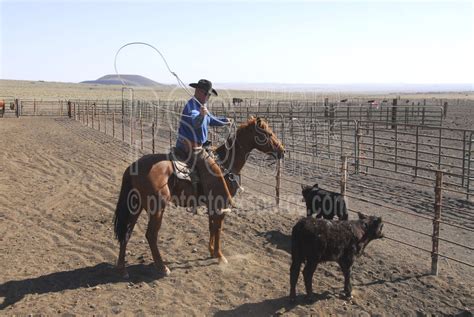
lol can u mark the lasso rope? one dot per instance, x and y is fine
(180, 83)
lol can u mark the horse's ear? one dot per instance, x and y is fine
(361, 215)
(315, 186)
(259, 121)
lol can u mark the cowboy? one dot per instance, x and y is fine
(192, 134)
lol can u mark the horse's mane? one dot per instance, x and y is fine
(253, 121)
(263, 124)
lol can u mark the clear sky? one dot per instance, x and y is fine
(236, 41)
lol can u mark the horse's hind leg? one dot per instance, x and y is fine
(154, 225)
(123, 247)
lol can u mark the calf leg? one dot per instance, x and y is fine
(308, 272)
(346, 270)
(294, 274)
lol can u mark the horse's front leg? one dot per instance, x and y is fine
(218, 223)
(212, 235)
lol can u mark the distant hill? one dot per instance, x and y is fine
(128, 80)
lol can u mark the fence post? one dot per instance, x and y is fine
(87, 114)
(445, 109)
(69, 109)
(123, 125)
(278, 183)
(394, 113)
(357, 147)
(396, 147)
(416, 151)
(343, 176)
(170, 138)
(373, 145)
(141, 133)
(113, 124)
(153, 138)
(105, 123)
(436, 219)
(93, 115)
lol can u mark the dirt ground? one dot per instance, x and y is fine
(59, 182)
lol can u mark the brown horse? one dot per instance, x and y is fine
(150, 183)
(2, 108)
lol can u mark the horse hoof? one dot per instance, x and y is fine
(123, 273)
(165, 271)
(223, 260)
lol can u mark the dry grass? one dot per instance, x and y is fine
(55, 90)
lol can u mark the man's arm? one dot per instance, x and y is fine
(196, 118)
(218, 121)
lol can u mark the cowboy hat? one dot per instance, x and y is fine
(205, 85)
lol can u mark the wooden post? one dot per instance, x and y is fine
(436, 219)
(93, 114)
(113, 124)
(331, 118)
(357, 147)
(423, 112)
(394, 113)
(170, 139)
(141, 133)
(416, 151)
(34, 106)
(98, 120)
(87, 114)
(326, 109)
(343, 175)
(278, 182)
(396, 147)
(373, 145)
(123, 126)
(105, 123)
(132, 121)
(153, 138)
(439, 147)
(69, 109)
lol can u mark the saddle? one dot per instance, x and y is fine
(184, 171)
(181, 168)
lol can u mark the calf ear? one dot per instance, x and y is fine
(361, 215)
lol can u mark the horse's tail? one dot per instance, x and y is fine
(122, 211)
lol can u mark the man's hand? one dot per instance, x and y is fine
(203, 110)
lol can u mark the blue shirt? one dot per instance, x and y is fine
(193, 126)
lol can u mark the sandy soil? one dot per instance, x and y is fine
(59, 183)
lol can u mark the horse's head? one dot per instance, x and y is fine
(261, 137)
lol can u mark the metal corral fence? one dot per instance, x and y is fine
(399, 137)
(431, 234)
